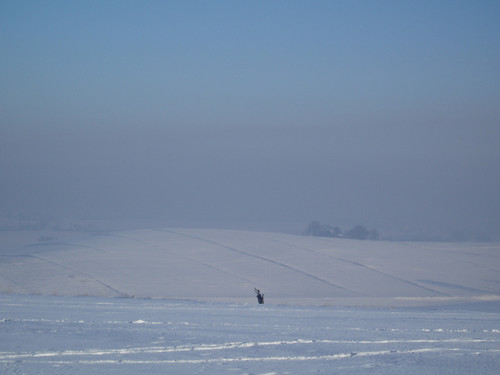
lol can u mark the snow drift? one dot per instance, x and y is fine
(226, 265)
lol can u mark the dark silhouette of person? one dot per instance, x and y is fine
(260, 297)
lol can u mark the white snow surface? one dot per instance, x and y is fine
(226, 265)
(92, 335)
(332, 305)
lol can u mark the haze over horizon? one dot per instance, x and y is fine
(237, 113)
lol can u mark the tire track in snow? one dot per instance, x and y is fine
(457, 257)
(252, 282)
(79, 273)
(5, 356)
(258, 257)
(40, 245)
(331, 357)
(40, 358)
(366, 267)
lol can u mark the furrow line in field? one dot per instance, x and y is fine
(280, 264)
(78, 272)
(367, 267)
(211, 266)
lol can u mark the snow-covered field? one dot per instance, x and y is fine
(89, 335)
(226, 265)
(332, 305)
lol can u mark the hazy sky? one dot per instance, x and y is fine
(384, 113)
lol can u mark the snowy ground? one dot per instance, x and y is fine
(226, 265)
(90, 335)
(332, 305)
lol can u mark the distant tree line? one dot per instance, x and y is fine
(359, 232)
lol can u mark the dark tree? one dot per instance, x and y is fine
(315, 228)
(374, 235)
(359, 232)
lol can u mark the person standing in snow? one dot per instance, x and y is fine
(260, 297)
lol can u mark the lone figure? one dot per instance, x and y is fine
(260, 297)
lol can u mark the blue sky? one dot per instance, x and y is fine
(216, 112)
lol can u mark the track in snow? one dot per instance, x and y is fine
(55, 335)
(265, 259)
